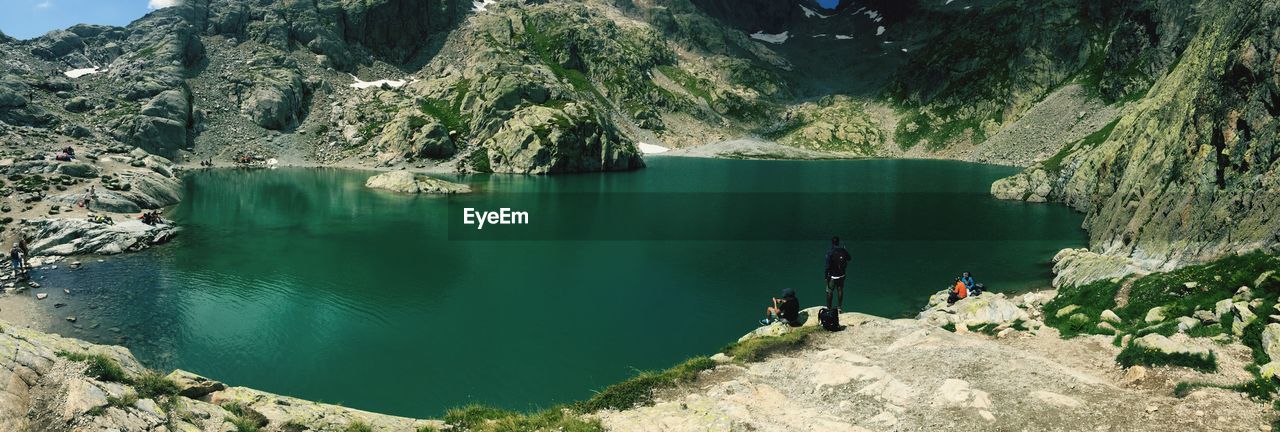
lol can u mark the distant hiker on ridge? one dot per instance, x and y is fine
(836, 262)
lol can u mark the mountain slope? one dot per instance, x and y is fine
(1190, 171)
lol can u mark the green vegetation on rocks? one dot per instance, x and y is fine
(99, 366)
(1219, 299)
(639, 389)
(756, 349)
(1136, 355)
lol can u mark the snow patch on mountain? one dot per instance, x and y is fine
(771, 38)
(482, 5)
(77, 73)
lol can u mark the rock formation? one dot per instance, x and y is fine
(407, 182)
(50, 383)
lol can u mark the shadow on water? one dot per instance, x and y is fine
(303, 282)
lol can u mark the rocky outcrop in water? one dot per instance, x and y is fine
(407, 182)
(82, 237)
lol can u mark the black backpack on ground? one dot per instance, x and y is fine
(838, 261)
(829, 319)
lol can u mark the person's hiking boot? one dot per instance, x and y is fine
(764, 322)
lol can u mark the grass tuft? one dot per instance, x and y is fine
(357, 426)
(638, 391)
(244, 418)
(101, 367)
(152, 385)
(480, 418)
(757, 349)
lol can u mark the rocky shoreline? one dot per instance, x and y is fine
(987, 362)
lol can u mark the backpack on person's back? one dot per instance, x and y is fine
(837, 262)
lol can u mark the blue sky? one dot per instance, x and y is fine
(25, 19)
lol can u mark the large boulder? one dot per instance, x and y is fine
(11, 99)
(1221, 308)
(1155, 315)
(80, 237)
(163, 124)
(155, 134)
(78, 104)
(985, 308)
(169, 104)
(544, 140)
(1158, 342)
(1271, 341)
(1243, 317)
(412, 135)
(56, 44)
(407, 182)
(1111, 317)
(1076, 267)
(276, 99)
(194, 386)
(1033, 185)
(78, 169)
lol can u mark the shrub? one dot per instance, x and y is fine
(1137, 355)
(152, 385)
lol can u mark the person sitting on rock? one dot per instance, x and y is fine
(958, 292)
(785, 309)
(151, 218)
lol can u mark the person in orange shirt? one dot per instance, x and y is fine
(958, 292)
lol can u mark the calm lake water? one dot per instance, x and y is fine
(305, 283)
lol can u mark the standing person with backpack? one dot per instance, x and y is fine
(836, 262)
(17, 259)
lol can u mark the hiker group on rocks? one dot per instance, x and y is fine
(964, 287)
(786, 309)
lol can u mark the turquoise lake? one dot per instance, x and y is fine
(304, 282)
